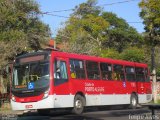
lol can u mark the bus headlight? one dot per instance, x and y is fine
(13, 98)
(46, 93)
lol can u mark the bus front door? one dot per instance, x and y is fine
(61, 86)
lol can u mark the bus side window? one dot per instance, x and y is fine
(106, 70)
(77, 69)
(118, 72)
(130, 73)
(60, 72)
(140, 77)
(147, 75)
(92, 70)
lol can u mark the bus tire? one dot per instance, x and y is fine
(134, 101)
(79, 103)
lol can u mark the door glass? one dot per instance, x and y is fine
(60, 72)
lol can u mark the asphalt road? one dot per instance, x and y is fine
(95, 114)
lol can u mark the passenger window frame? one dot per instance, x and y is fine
(59, 81)
(108, 77)
(94, 77)
(140, 74)
(75, 69)
(127, 73)
(116, 76)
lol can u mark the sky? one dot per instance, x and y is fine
(127, 10)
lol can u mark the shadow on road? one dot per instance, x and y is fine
(60, 117)
(90, 114)
(56, 116)
(120, 113)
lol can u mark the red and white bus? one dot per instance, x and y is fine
(52, 79)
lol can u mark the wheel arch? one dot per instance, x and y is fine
(136, 94)
(82, 94)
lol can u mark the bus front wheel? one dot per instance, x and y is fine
(79, 103)
(134, 101)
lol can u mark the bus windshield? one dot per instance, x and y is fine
(31, 76)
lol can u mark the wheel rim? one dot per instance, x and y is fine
(134, 101)
(78, 104)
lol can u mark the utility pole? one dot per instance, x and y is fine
(154, 79)
(153, 67)
(55, 44)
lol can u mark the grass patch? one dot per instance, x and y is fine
(157, 102)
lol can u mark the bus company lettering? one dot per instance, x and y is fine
(89, 87)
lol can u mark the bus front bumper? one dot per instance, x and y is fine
(42, 104)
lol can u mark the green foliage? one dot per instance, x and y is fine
(20, 28)
(110, 53)
(104, 31)
(133, 54)
(87, 8)
(130, 54)
(120, 34)
(83, 31)
(92, 31)
(90, 24)
(158, 71)
(150, 13)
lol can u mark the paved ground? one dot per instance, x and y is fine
(121, 114)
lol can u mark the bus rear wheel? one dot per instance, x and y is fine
(79, 103)
(134, 101)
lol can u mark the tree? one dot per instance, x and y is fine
(120, 34)
(150, 14)
(83, 31)
(110, 53)
(90, 7)
(104, 30)
(20, 28)
(133, 54)
(84, 27)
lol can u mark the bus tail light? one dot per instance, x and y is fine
(46, 93)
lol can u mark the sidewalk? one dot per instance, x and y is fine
(9, 112)
(5, 109)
